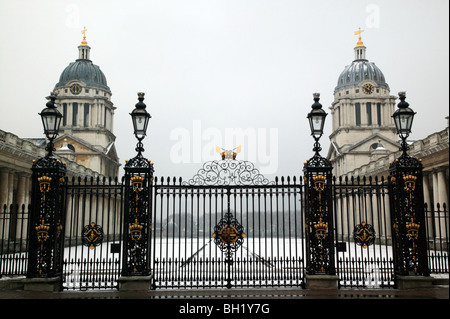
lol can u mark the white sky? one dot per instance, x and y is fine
(239, 64)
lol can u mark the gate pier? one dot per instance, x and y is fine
(320, 254)
(136, 273)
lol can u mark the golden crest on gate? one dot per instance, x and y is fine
(138, 183)
(412, 230)
(42, 232)
(136, 231)
(319, 183)
(321, 230)
(44, 184)
(410, 182)
(229, 235)
(92, 235)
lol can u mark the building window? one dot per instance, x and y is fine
(369, 113)
(86, 90)
(357, 91)
(64, 114)
(379, 113)
(358, 113)
(74, 113)
(86, 115)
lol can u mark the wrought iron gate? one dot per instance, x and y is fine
(227, 227)
(93, 233)
(363, 233)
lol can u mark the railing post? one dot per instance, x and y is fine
(408, 218)
(47, 216)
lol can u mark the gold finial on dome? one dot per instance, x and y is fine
(84, 36)
(359, 43)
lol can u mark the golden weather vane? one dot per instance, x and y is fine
(84, 36)
(359, 43)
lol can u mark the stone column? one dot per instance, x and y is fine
(4, 185)
(442, 188)
(442, 223)
(21, 189)
(11, 187)
(427, 201)
(426, 191)
(435, 189)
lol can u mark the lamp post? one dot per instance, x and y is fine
(140, 119)
(318, 203)
(138, 196)
(316, 122)
(403, 119)
(51, 120)
(47, 215)
(407, 203)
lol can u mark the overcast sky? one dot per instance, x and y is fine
(209, 67)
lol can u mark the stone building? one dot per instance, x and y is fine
(86, 133)
(85, 141)
(364, 140)
(361, 114)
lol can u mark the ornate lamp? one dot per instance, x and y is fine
(316, 121)
(140, 118)
(403, 119)
(316, 117)
(51, 119)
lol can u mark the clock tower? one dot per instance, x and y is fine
(84, 99)
(362, 125)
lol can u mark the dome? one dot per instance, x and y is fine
(83, 70)
(359, 71)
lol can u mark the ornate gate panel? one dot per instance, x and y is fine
(363, 233)
(227, 227)
(92, 234)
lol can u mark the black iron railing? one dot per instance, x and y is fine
(183, 252)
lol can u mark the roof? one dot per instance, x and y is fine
(359, 71)
(83, 70)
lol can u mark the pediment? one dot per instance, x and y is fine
(79, 145)
(366, 144)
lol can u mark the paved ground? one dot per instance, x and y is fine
(437, 292)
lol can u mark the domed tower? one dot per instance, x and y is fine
(362, 125)
(84, 99)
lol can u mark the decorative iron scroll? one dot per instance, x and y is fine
(92, 235)
(228, 172)
(364, 235)
(228, 235)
